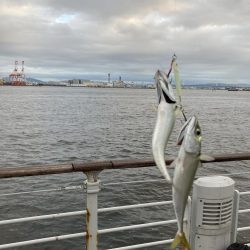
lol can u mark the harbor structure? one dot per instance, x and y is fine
(17, 77)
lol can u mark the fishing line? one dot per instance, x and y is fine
(185, 118)
(174, 66)
(175, 29)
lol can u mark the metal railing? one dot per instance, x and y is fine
(92, 186)
(102, 165)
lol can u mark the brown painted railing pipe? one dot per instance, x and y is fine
(101, 165)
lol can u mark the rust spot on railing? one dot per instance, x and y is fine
(88, 235)
(87, 217)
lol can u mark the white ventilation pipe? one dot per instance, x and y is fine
(212, 213)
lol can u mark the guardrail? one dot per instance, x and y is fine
(102, 165)
(92, 185)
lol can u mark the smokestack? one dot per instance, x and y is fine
(16, 66)
(108, 77)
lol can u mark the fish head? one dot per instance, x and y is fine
(164, 88)
(183, 132)
(192, 137)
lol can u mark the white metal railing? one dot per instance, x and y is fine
(75, 213)
(243, 211)
(42, 240)
(150, 244)
(137, 226)
(78, 187)
(92, 189)
(101, 231)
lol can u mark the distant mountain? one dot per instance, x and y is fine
(28, 79)
(34, 80)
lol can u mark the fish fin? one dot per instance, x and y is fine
(180, 239)
(206, 158)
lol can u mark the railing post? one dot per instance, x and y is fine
(92, 188)
(235, 216)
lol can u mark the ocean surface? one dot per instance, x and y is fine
(54, 125)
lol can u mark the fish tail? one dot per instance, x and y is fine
(168, 178)
(180, 239)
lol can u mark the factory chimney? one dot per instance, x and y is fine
(16, 66)
(108, 77)
(23, 75)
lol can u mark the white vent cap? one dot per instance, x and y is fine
(214, 187)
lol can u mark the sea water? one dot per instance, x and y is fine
(57, 125)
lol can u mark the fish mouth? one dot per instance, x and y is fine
(189, 126)
(164, 87)
(183, 131)
(193, 122)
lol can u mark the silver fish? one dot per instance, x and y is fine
(186, 164)
(165, 121)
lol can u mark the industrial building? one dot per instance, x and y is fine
(17, 76)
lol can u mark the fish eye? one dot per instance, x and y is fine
(198, 132)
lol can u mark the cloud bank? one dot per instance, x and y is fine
(132, 38)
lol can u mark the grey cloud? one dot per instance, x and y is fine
(135, 38)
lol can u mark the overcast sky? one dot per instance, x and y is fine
(63, 39)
